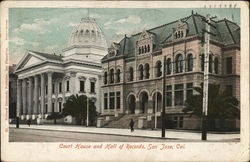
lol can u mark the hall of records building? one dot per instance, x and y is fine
(133, 71)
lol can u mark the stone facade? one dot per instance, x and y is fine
(45, 81)
(134, 67)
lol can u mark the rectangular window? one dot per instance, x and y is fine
(67, 85)
(118, 100)
(178, 94)
(111, 100)
(60, 87)
(53, 88)
(105, 100)
(169, 95)
(53, 107)
(46, 108)
(82, 86)
(189, 90)
(60, 106)
(229, 65)
(92, 87)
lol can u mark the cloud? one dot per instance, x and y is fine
(129, 19)
(72, 24)
(20, 42)
(37, 25)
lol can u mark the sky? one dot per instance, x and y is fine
(48, 29)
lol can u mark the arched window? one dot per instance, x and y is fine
(131, 74)
(118, 77)
(216, 65)
(179, 63)
(158, 71)
(147, 71)
(190, 62)
(210, 63)
(142, 49)
(148, 48)
(105, 81)
(169, 66)
(140, 72)
(111, 77)
(139, 50)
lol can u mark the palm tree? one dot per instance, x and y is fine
(76, 106)
(221, 105)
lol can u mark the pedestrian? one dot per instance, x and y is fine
(29, 122)
(131, 124)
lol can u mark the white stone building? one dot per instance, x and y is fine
(46, 80)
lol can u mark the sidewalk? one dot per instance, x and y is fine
(170, 134)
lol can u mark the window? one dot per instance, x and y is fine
(229, 90)
(189, 90)
(140, 72)
(142, 49)
(60, 106)
(60, 87)
(148, 48)
(131, 74)
(178, 122)
(46, 89)
(53, 107)
(179, 63)
(158, 69)
(147, 71)
(139, 50)
(67, 86)
(202, 62)
(216, 66)
(53, 88)
(46, 108)
(111, 77)
(169, 67)
(229, 64)
(169, 95)
(118, 77)
(112, 100)
(82, 88)
(210, 63)
(92, 87)
(118, 100)
(178, 94)
(105, 78)
(105, 100)
(190, 62)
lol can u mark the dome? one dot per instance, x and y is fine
(87, 33)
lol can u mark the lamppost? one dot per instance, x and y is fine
(87, 122)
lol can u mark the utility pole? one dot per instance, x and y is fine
(156, 104)
(206, 75)
(163, 99)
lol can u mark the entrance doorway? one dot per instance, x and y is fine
(144, 102)
(131, 104)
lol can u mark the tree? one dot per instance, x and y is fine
(55, 115)
(221, 104)
(76, 106)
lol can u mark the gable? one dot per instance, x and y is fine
(32, 61)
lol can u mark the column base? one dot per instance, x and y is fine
(22, 117)
(34, 117)
(137, 111)
(28, 117)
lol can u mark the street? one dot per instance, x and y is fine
(32, 135)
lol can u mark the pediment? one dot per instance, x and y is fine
(29, 60)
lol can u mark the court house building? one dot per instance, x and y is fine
(133, 73)
(45, 81)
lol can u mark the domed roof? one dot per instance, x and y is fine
(87, 33)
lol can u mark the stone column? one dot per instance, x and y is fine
(24, 98)
(63, 91)
(42, 94)
(49, 96)
(18, 104)
(56, 108)
(35, 110)
(30, 98)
